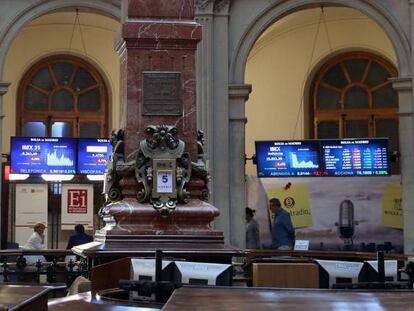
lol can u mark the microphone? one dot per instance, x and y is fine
(346, 224)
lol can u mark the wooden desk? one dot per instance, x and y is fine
(239, 299)
(89, 302)
(23, 297)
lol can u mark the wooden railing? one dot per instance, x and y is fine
(15, 266)
(38, 266)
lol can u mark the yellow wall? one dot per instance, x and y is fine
(281, 62)
(50, 34)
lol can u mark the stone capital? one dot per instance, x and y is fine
(402, 83)
(238, 95)
(216, 6)
(221, 6)
(4, 86)
(204, 5)
(240, 91)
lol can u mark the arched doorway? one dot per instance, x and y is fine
(392, 31)
(83, 80)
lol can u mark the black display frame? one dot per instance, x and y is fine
(384, 141)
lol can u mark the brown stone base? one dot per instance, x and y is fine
(130, 224)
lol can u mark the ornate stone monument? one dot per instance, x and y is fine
(156, 181)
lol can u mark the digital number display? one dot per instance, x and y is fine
(330, 157)
(39, 155)
(357, 157)
(288, 158)
(93, 155)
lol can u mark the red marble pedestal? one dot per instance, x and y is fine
(140, 226)
(157, 45)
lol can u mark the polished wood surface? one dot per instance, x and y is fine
(286, 275)
(23, 297)
(108, 275)
(239, 299)
(89, 302)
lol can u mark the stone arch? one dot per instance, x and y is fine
(281, 8)
(111, 8)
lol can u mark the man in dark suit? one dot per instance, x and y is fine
(79, 238)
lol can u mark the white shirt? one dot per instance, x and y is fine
(34, 242)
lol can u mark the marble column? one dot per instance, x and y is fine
(157, 45)
(213, 102)
(204, 78)
(238, 95)
(3, 90)
(406, 128)
(220, 123)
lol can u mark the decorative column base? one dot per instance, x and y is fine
(132, 225)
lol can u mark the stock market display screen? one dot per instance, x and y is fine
(288, 158)
(93, 154)
(355, 157)
(41, 155)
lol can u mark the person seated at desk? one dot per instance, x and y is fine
(36, 241)
(80, 237)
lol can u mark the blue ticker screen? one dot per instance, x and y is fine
(330, 157)
(355, 157)
(93, 154)
(39, 155)
(288, 158)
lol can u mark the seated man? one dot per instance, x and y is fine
(79, 238)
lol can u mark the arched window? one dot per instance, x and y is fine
(62, 96)
(351, 96)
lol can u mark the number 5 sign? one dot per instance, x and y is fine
(164, 186)
(165, 182)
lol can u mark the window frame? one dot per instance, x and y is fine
(341, 115)
(356, 113)
(75, 116)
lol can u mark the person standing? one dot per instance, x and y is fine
(283, 233)
(80, 237)
(252, 230)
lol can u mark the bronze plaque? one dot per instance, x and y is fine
(162, 93)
